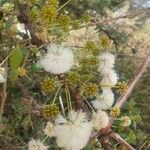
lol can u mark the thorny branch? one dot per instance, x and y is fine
(138, 75)
(24, 17)
(131, 14)
(119, 139)
(119, 104)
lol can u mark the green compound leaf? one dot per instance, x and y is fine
(16, 58)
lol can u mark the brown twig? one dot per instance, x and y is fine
(79, 101)
(128, 15)
(24, 17)
(120, 140)
(138, 75)
(123, 98)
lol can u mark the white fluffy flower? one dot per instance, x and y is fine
(105, 101)
(49, 129)
(126, 121)
(107, 61)
(36, 145)
(60, 120)
(58, 59)
(109, 79)
(100, 119)
(73, 134)
(2, 75)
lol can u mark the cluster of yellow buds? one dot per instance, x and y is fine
(50, 111)
(48, 85)
(104, 41)
(89, 89)
(73, 77)
(137, 118)
(115, 111)
(90, 45)
(90, 62)
(49, 11)
(122, 87)
(21, 72)
(64, 22)
(131, 137)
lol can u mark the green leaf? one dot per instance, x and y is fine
(13, 74)
(16, 58)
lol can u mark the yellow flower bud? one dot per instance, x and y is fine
(115, 111)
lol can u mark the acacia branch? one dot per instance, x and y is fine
(137, 77)
(131, 14)
(120, 140)
(24, 17)
(79, 101)
(121, 101)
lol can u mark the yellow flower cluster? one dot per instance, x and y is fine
(49, 11)
(64, 22)
(137, 118)
(115, 111)
(50, 111)
(73, 77)
(104, 41)
(92, 47)
(21, 72)
(90, 62)
(122, 87)
(48, 85)
(89, 89)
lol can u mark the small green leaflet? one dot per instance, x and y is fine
(16, 58)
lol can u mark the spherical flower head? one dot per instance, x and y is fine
(58, 59)
(36, 145)
(122, 87)
(2, 75)
(104, 41)
(100, 120)
(49, 13)
(91, 46)
(89, 63)
(126, 121)
(77, 131)
(50, 111)
(137, 118)
(131, 137)
(105, 100)
(48, 85)
(107, 61)
(49, 129)
(115, 111)
(73, 77)
(22, 71)
(89, 89)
